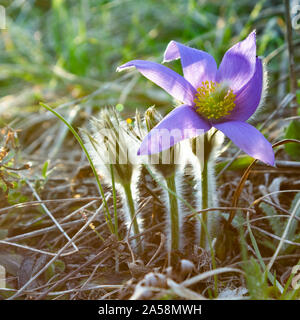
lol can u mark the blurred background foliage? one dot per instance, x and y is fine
(65, 53)
(54, 50)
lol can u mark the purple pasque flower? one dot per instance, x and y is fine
(223, 98)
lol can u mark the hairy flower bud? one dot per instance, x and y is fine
(152, 118)
(110, 144)
(165, 162)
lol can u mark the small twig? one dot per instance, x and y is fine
(88, 235)
(36, 203)
(183, 292)
(291, 118)
(78, 210)
(276, 206)
(287, 164)
(255, 202)
(109, 294)
(33, 249)
(208, 274)
(50, 215)
(286, 256)
(271, 217)
(70, 274)
(161, 245)
(102, 286)
(275, 237)
(239, 189)
(149, 230)
(90, 276)
(41, 231)
(221, 209)
(24, 167)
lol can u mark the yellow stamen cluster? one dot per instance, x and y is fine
(214, 100)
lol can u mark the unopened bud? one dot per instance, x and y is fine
(112, 147)
(152, 118)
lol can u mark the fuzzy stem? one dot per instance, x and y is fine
(187, 204)
(204, 185)
(205, 236)
(114, 200)
(131, 207)
(174, 220)
(204, 189)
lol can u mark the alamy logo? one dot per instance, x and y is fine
(2, 18)
(113, 148)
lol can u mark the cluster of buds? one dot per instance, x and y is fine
(113, 145)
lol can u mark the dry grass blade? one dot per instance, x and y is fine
(42, 231)
(283, 237)
(78, 210)
(271, 217)
(36, 203)
(88, 288)
(239, 189)
(183, 292)
(245, 176)
(160, 247)
(50, 215)
(221, 209)
(34, 249)
(276, 237)
(272, 193)
(20, 291)
(70, 274)
(208, 274)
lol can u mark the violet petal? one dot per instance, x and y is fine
(238, 64)
(169, 80)
(249, 139)
(181, 123)
(248, 98)
(197, 65)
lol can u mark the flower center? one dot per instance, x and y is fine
(214, 100)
